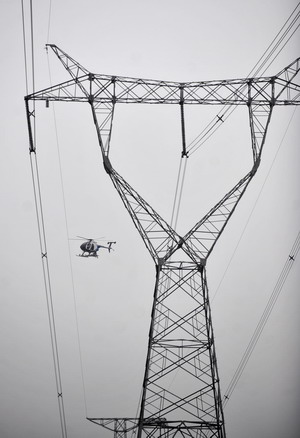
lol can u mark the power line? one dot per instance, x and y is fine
(24, 47)
(223, 115)
(178, 192)
(48, 287)
(41, 225)
(281, 38)
(274, 296)
(263, 319)
(255, 204)
(32, 48)
(68, 244)
(49, 20)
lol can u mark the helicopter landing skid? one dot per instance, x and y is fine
(88, 255)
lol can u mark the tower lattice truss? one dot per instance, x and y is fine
(181, 392)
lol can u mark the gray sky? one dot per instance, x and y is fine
(171, 40)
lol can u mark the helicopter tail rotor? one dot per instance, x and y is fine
(109, 245)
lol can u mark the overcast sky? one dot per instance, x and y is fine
(193, 40)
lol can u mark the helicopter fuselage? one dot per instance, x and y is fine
(90, 247)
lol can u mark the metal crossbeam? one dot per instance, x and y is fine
(279, 89)
(102, 88)
(120, 426)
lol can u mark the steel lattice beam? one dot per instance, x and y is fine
(181, 392)
(86, 86)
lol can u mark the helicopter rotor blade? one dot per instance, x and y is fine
(87, 238)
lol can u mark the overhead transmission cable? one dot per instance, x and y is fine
(49, 21)
(68, 242)
(24, 47)
(66, 218)
(285, 33)
(178, 192)
(293, 253)
(254, 206)
(263, 319)
(250, 349)
(41, 226)
(281, 38)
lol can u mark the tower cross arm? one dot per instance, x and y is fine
(280, 89)
(73, 67)
(68, 91)
(121, 425)
(287, 90)
(118, 89)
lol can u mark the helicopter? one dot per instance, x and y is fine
(90, 247)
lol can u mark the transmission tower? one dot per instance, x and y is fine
(181, 391)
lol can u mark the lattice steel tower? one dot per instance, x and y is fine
(181, 348)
